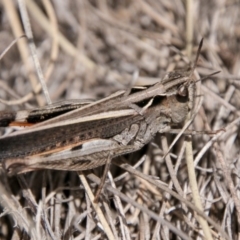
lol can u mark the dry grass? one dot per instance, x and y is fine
(90, 49)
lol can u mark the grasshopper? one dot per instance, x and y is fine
(86, 135)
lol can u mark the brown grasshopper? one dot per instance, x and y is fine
(85, 136)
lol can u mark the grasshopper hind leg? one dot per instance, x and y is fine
(103, 178)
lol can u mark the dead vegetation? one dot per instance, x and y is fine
(90, 49)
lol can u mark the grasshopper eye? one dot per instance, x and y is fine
(182, 91)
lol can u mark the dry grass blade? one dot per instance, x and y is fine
(32, 46)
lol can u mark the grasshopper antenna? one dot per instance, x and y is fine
(197, 57)
(209, 75)
(195, 64)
